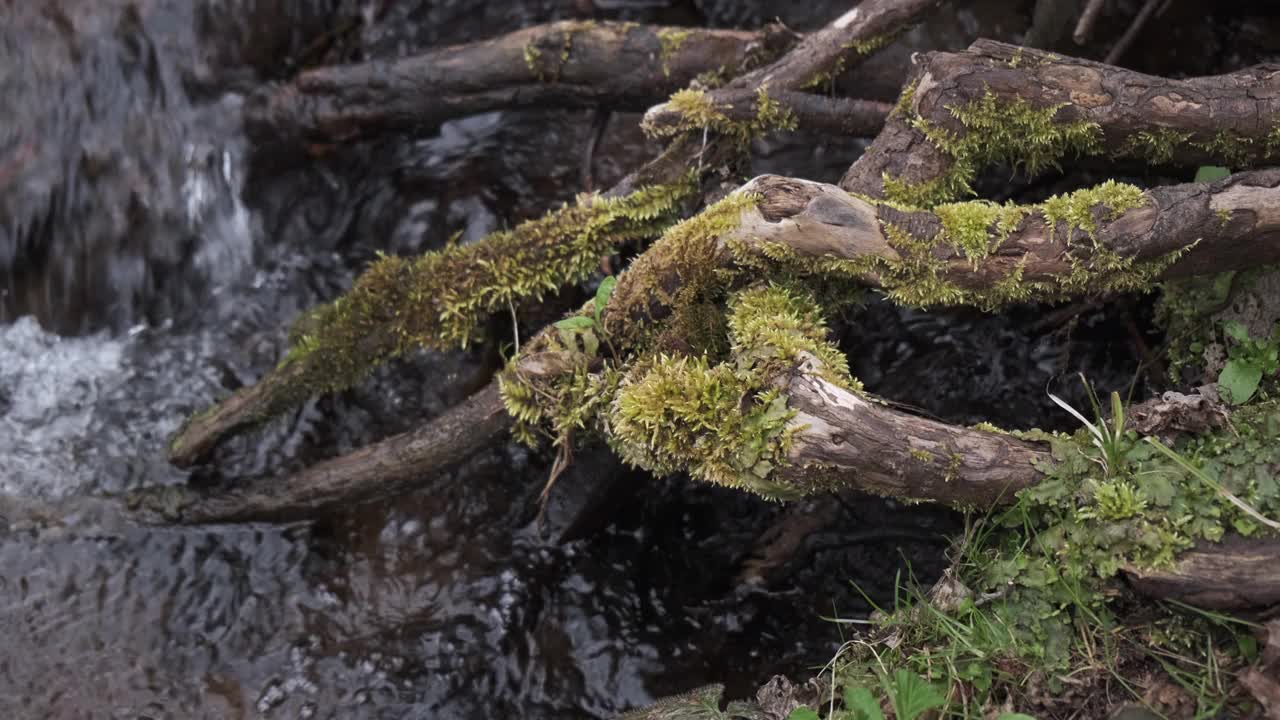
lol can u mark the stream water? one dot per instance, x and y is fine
(150, 261)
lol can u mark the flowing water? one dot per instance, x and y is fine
(150, 261)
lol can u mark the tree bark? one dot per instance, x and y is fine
(622, 66)
(1218, 120)
(389, 467)
(861, 445)
(1231, 574)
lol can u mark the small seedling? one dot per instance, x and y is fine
(1109, 438)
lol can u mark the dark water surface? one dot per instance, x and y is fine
(136, 221)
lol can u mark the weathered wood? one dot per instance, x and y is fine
(1231, 574)
(870, 447)
(1222, 120)
(621, 66)
(281, 388)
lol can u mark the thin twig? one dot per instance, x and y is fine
(1087, 19)
(1131, 34)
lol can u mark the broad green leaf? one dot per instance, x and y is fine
(602, 294)
(913, 696)
(1209, 173)
(802, 713)
(860, 704)
(577, 322)
(1240, 380)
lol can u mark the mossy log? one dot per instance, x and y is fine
(1002, 104)
(374, 333)
(571, 63)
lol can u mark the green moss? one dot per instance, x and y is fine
(1013, 133)
(908, 95)
(1078, 209)
(698, 112)
(687, 257)
(438, 300)
(1231, 148)
(724, 422)
(671, 41)
(1155, 147)
(922, 455)
(978, 227)
(533, 60)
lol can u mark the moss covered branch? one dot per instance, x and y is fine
(998, 104)
(436, 301)
(1110, 238)
(622, 66)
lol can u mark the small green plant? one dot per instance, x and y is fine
(585, 328)
(1249, 360)
(1108, 437)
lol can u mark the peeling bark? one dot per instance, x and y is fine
(1226, 119)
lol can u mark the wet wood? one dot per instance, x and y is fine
(1237, 108)
(386, 468)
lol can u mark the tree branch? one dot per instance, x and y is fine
(1002, 104)
(623, 66)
